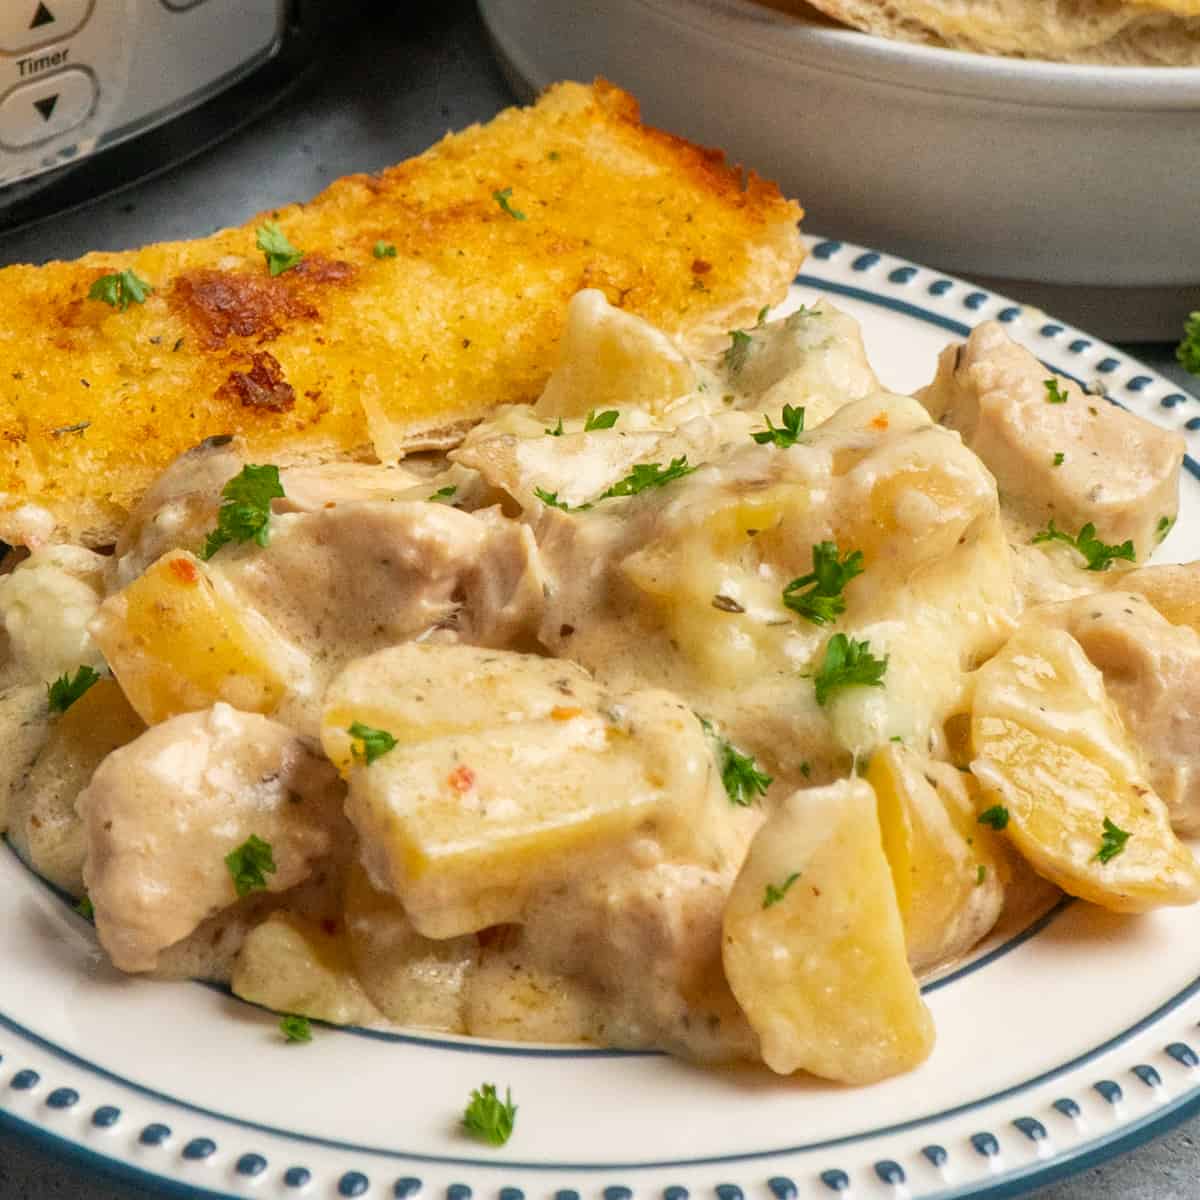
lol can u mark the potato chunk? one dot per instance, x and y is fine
(814, 944)
(949, 870)
(24, 728)
(1050, 747)
(178, 643)
(462, 824)
(294, 966)
(46, 830)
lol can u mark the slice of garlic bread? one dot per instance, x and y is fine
(426, 295)
(1148, 33)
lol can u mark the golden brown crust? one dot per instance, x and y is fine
(349, 355)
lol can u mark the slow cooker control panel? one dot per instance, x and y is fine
(76, 75)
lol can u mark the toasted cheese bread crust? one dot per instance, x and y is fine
(1113, 32)
(349, 355)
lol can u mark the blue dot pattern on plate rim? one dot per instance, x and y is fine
(782, 1188)
(1067, 1107)
(566, 1194)
(154, 1134)
(297, 1177)
(864, 262)
(826, 249)
(1171, 401)
(458, 1191)
(1183, 1054)
(251, 1165)
(353, 1183)
(939, 287)
(63, 1097)
(729, 1191)
(1008, 315)
(890, 1171)
(835, 1181)
(1051, 331)
(618, 1192)
(1033, 1129)
(106, 1116)
(975, 300)
(936, 1155)
(409, 1185)
(511, 1193)
(1148, 1075)
(1109, 1090)
(23, 1081)
(1079, 345)
(200, 1148)
(902, 275)
(675, 1192)
(986, 1144)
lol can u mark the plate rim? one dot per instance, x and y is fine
(919, 293)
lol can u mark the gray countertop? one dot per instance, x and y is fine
(395, 85)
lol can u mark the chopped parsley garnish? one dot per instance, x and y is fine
(848, 663)
(384, 250)
(996, 816)
(444, 493)
(1059, 458)
(489, 1118)
(86, 909)
(1100, 555)
(375, 743)
(1165, 525)
(776, 892)
(296, 1029)
(740, 775)
(823, 601)
(250, 864)
(281, 255)
(604, 420)
(65, 690)
(551, 500)
(1112, 841)
(1188, 351)
(980, 875)
(1054, 394)
(245, 513)
(557, 431)
(648, 475)
(786, 434)
(738, 352)
(503, 199)
(120, 290)
(761, 319)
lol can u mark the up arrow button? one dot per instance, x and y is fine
(27, 24)
(43, 16)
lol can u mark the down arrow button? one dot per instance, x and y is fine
(46, 106)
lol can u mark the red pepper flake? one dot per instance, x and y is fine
(184, 570)
(565, 714)
(461, 779)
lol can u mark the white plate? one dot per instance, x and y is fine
(1054, 1050)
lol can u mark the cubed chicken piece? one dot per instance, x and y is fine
(1117, 471)
(1151, 672)
(46, 605)
(163, 814)
(24, 728)
(609, 359)
(45, 827)
(813, 359)
(464, 824)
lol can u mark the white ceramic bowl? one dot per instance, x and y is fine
(999, 169)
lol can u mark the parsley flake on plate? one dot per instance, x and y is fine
(980, 875)
(1059, 458)
(1165, 525)
(734, 358)
(996, 817)
(786, 434)
(776, 892)
(119, 290)
(85, 909)
(250, 864)
(557, 431)
(847, 663)
(384, 250)
(823, 601)
(504, 199)
(1188, 350)
(245, 513)
(489, 1118)
(66, 689)
(551, 500)
(295, 1029)
(1112, 841)
(444, 493)
(1054, 394)
(1100, 555)
(604, 420)
(370, 744)
(281, 255)
(648, 475)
